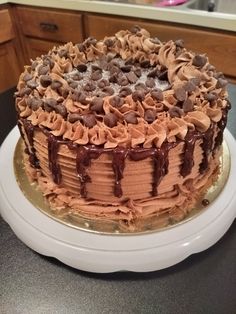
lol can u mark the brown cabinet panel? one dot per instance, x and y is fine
(9, 66)
(6, 29)
(50, 24)
(219, 46)
(36, 47)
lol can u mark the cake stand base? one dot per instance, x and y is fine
(104, 253)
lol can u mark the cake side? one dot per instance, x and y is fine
(125, 127)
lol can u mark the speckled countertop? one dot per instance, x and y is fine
(178, 14)
(31, 283)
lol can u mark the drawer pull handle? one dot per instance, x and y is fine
(48, 27)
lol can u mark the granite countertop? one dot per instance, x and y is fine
(31, 283)
(178, 14)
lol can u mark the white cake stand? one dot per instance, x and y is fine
(103, 253)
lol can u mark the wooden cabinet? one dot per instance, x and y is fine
(41, 29)
(9, 65)
(219, 46)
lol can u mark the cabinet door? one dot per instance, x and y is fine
(219, 46)
(36, 47)
(9, 66)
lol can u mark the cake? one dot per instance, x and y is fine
(123, 129)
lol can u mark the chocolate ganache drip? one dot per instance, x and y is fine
(53, 147)
(29, 130)
(118, 164)
(206, 145)
(84, 154)
(221, 125)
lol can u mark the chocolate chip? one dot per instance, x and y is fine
(90, 41)
(32, 84)
(116, 101)
(157, 94)
(195, 80)
(113, 78)
(82, 98)
(24, 91)
(95, 67)
(114, 70)
(89, 120)
(61, 109)
(138, 72)
(211, 97)
(131, 76)
(122, 80)
(125, 91)
(97, 104)
(103, 82)
(131, 117)
(126, 68)
(82, 67)
(73, 117)
(76, 76)
(129, 61)
(27, 77)
(155, 40)
(175, 112)
(179, 43)
(163, 76)
(153, 73)
(189, 87)
(45, 80)
(221, 83)
(145, 64)
(48, 61)
(34, 103)
(199, 61)
(108, 90)
(109, 42)
(49, 104)
(42, 70)
(135, 29)
(89, 86)
(140, 86)
(73, 84)
(150, 82)
(56, 84)
(34, 65)
(110, 119)
(188, 105)
(96, 75)
(180, 94)
(81, 47)
(63, 53)
(138, 95)
(150, 115)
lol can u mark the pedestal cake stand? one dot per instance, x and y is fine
(104, 253)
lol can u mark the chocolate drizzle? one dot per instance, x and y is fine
(221, 125)
(159, 156)
(84, 154)
(188, 163)
(207, 143)
(30, 150)
(54, 167)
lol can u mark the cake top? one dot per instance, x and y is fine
(126, 90)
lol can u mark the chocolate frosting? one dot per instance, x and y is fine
(126, 90)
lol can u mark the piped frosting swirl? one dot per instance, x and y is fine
(127, 90)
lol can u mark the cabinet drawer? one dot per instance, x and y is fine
(50, 24)
(6, 30)
(219, 46)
